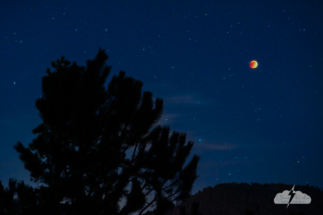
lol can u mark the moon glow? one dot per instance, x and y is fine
(253, 64)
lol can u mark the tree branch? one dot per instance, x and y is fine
(171, 184)
(147, 206)
(133, 155)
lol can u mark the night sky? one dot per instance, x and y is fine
(262, 125)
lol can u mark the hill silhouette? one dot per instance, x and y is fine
(256, 199)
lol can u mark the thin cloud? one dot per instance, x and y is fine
(223, 163)
(168, 118)
(213, 146)
(187, 99)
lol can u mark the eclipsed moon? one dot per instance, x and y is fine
(253, 64)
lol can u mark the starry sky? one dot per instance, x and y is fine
(260, 125)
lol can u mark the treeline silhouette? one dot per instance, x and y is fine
(246, 199)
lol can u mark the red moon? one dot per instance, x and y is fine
(253, 64)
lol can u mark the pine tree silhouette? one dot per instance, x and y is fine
(79, 153)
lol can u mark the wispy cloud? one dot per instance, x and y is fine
(223, 163)
(204, 143)
(187, 99)
(168, 118)
(214, 146)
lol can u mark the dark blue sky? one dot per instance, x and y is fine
(259, 125)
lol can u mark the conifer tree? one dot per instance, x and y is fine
(79, 153)
(194, 209)
(18, 198)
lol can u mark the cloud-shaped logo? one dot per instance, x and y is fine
(292, 197)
